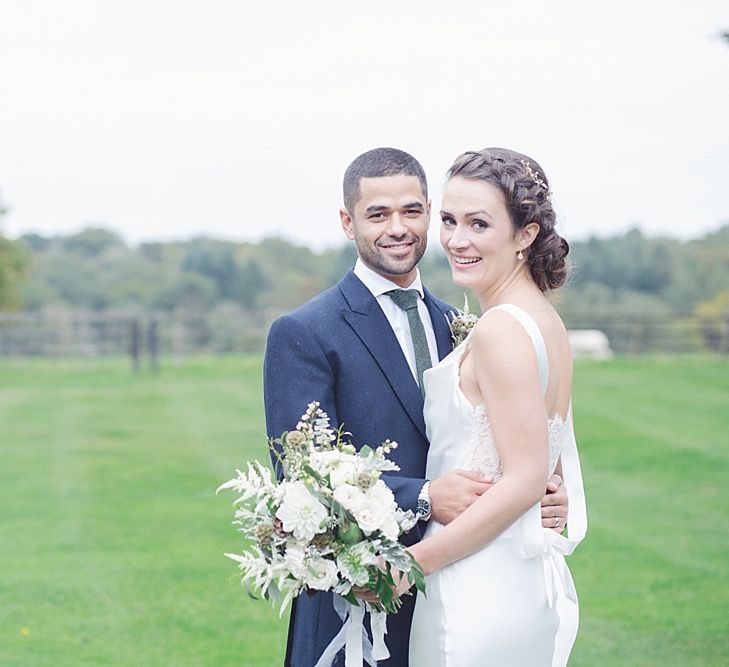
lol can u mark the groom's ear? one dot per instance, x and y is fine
(347, 223)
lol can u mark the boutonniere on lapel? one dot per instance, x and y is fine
(461, 322)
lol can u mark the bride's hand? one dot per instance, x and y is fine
(402, 584)
(365, 594)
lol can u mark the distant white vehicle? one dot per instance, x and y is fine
(590, 343)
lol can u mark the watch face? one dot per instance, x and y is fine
(423, 507)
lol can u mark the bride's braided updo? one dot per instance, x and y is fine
(527, 196)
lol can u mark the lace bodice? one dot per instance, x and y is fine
(481, 454)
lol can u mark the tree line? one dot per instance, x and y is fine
(242, 286)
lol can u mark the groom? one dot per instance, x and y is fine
(356, 350)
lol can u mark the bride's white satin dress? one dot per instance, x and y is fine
(513, 603)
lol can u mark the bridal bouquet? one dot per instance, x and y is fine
(331, 523)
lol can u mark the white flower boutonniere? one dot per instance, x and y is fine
(461, 323)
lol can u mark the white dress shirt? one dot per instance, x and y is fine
(397, 317)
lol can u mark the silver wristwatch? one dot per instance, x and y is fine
(423, 507)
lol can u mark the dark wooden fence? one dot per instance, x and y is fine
(145, 337)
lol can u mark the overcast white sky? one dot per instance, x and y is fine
(164, 119)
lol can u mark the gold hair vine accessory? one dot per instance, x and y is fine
(536, 178)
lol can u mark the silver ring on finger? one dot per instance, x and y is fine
(556, 522)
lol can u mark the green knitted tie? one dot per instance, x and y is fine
(407, 300)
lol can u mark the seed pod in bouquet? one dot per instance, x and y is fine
(349, 532)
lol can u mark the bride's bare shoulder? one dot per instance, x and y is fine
(499, 337)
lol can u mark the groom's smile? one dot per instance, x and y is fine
(399, 247)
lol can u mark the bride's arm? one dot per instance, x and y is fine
(505, 369)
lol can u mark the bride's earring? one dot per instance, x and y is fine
(520, 255)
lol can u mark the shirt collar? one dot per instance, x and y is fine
(378, 284)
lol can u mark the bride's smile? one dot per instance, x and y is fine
(465, 261)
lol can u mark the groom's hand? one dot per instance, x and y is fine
(454, 492)
(555, 505)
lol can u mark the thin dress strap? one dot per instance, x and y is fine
(527, 321)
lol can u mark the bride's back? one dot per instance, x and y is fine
(559, 383)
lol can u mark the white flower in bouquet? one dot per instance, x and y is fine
(350, 497)
(320, 573)
(344, 472)
(383, 511)
(353, 563)
(293, 559)
(301, 513)
(381, 495)
(323, 462)
(369, 519)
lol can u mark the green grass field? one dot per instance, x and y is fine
(111, 537)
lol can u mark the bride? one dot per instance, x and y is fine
(498, 590)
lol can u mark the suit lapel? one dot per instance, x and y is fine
(371, 326)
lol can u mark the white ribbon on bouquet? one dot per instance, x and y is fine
(353, 636)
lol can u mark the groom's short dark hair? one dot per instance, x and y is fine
(377, 163)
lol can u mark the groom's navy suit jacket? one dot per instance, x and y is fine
(339, 349)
